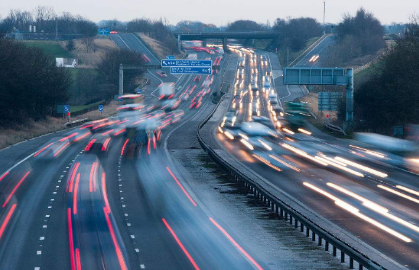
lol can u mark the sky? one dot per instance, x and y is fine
(221, 12)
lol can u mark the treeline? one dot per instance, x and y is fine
(47, 20)
(357, 36)
(391, 96)
(194, 26)
(293, 34)
(30, 83)
(246, 25)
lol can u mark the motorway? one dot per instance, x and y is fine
(94, 197)
(361, 191)
(81, 199)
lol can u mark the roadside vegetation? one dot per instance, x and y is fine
(359, 37)
(50, 48)
(30, 83)
(391, 95)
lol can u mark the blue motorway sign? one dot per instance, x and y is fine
(66, 108)
(190, 70)
(171, 57)
(100, 107)
(185, 63)
(103, 31)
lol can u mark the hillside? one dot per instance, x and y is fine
(90, 56)
(157, 46)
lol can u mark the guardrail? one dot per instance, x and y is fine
(76, 122)
(335, 128)
(284, 211)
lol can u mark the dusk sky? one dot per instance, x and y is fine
(220, 12)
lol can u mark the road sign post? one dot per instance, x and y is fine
(100, 108)
(67, 112)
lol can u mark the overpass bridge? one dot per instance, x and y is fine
(224, 36)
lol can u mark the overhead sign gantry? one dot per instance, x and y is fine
(324, 76)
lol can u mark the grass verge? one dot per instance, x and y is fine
(32, 129)
(51, 48)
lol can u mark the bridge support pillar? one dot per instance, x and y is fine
(225, 45)
(179, 44)
(204, 43)
(350, 96)
(121, 80)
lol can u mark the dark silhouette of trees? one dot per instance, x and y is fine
(194, 26)
(357, 36)
(294, 33)
(30, 84)
(108, 71)
(245, 25)
(391, 96)
(46, 20)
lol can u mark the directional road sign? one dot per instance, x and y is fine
(102, 31)
(170, 57)
(190, 70)
(186, 63)
(329, 101)
(66, 108)
(100, 107)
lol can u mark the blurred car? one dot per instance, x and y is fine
(98, 144)
(263, 120)
(229, 118)
(76, 136)
(52, 149)
(130, 107)
(197, 78)
(113, 32)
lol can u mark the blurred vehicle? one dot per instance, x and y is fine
(240, 74)
(166, 91)
(296, 114)
(52, 149)
(237, 102)
(113, 32)
(161, 73)
(98, 144)
(131, 102)
(242, 61)
(255, 86)
(131, 99)
(141, 137)
(145, 58)
(76, 136)
(264, 121)
(266, 83)
(230, 118)
(197, 78)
